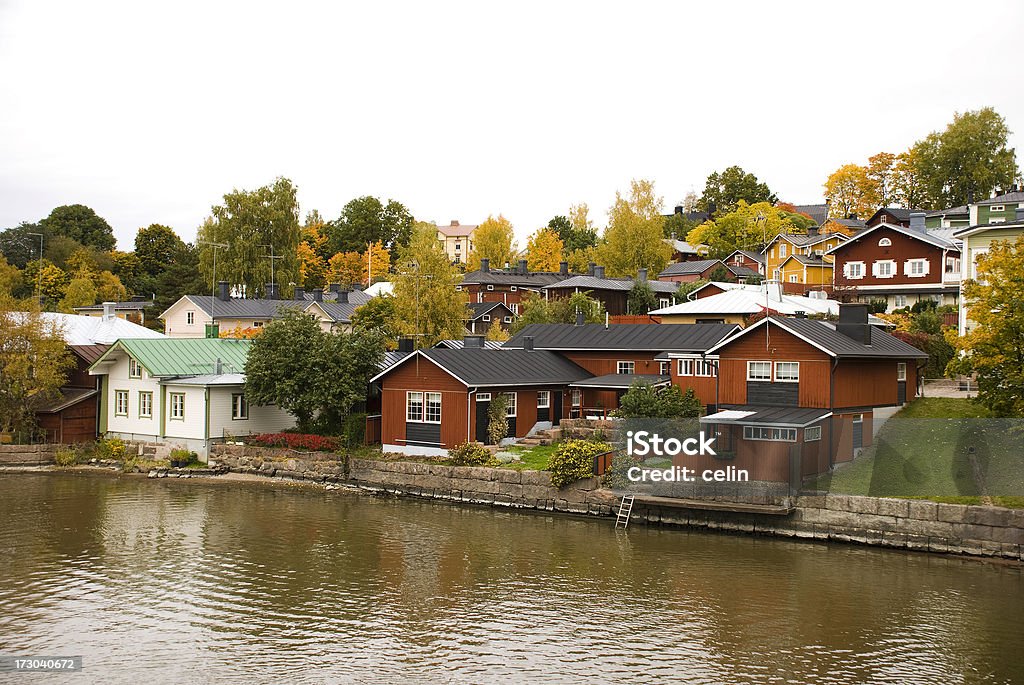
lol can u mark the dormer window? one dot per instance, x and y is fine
(884, 242)
(884, 218)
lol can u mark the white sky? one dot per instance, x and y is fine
(149, 112)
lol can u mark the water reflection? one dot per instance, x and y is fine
(193, 582)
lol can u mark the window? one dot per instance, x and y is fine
(507, 319)
(134, 368)
(413, 406)
(901, 371)
(490, 287)
(854, 269)
(239, 407)
(885, 268)
(997, 208)
(483, 397)
(952, 265)
(577, 397)
(705, 367)
(884, 242)
(458, 246)
(513, 288)
(759, 371)
(917, 267)
(782, 250)
(997, 220)
(458, 288)
(812, 433)
(145, 405)
(486, 317)
(884, 219)
(625, 367)
(515, 308)
(120, 403)
(663, 368)
(769, 434)
(177, 406)
(792, 278)
(258, 324)
(511, 409)
(787, 372)
(190, 318)
(686, 367)
(899, 301)
(433, 408)
(664, 302)
(543, 399)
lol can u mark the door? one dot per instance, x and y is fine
(858, 431)
(483, 403)
(556, 407)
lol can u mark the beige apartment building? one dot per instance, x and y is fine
(457, 240)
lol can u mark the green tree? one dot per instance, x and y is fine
(379, 314)
(907, 185)
(880, 174)
(80, 223)
(247, 222)
(576, 231)
(537, 309)
(10, 278)
(19, 246)
(494, 239)
(427, 305)
(181, 277)
(971, 157)
(634, 237)
(749, 227)
(497, 419)
(50, 280)
(34, 362)
(684, 289)
(641, 298)
(994, 348)
(366, 220)
(644, 401)
(156, 246)
(723, 191)
(317, 376)
(81, 292)
(128, 269)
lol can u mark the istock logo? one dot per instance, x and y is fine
(643, 444)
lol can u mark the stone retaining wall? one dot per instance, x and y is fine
(27, 455)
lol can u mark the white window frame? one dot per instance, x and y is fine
(663, 368)
(664, 302)
(996, 220)
(410, 415)
(849, 268)
(686, 367)
(858, 418)
(120, 395)
(134, 368)
(705, 368)
(190, 318)
(782, 250)
(884, 242)
(458, 288)
(899, 301)
(788, 378)
(512, 408)
(508, 319)
(620, 365)
(543, 399)
(490, 287)
(812, 434)
(888, 264)
(176, 407)
(997, 208)
(769, 434)
(901, 371)
(239, 407)
(767, 372)
(486, 317)
(515, 308)
(911, 264)
(483, 397)
(577, 397)
(794, 278)
(431, 400)
(513, 288)
(145, 404)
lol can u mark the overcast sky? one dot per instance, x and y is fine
(150, 112)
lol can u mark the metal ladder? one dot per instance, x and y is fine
(625, 509)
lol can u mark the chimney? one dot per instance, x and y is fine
(218, 367)
(342, 296)
(223, 294)
(485, 265)
(563, 269)
(528, 343)
(580, 319)
(271, 289)
(298, 293)
(917, 221)
(318, 294)
(800, 315)
(454, 222)
(335, 288)
(813, 230)
(522, 267)
(405, 344)
(853, 322)
(473, 342)
(970, 197)
(641, 276)
(598, 272)
(1018, 214)
(773, 290)
(108, 311)
(590, 268)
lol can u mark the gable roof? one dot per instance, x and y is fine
(483, 367)
(849, 223)
(480, 308)
(750, 300)
(807, 260)
(456, 230)
(801, 240)
(1012, 196)
(972, 230)
(133, 305)
(459, 344)
(618, 284)
(817, 212)
(77, 329)
(824, 336)
(624, 337)
(741, 271)
(340, 312)
(531, 279)
(749, 254)
(690, 268)
(962, 210)
(724, 285)
(169, 357)
(923, 236)
(684, 247)
(898, 213)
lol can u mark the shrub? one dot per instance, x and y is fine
(65, 457)
(643, 401)
(574, 460)
(353, 431)
(471, 454)
(616, 477)
(113, 448)
(296, 441)
(497, 419)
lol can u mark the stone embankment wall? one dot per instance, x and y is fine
(27, 455)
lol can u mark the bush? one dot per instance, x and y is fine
(616, 477)
(113, 448)
(353, 430)
(574, 460)
(65, 457)
(296, 441)
(471, 454)
(644, 401)
(497, 419)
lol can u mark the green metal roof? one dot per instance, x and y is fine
(184, 356)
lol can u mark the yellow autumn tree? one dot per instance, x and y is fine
(847, 191)
(347, 268)
(378, 262)
(634, 237)
(494, 239)
(544, 250)
(312, 267)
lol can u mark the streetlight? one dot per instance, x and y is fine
(39, 271)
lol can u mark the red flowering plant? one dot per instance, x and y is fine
(296, 441)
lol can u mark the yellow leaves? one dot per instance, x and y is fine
(347, 268)
(377, 262)
(312, 268)
(634, 237)
(544, 250)
(494, 239)
(847, 191)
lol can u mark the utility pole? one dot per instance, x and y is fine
(272, 257)
(213, 289)
(39, 271)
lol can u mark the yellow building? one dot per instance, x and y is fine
(457, 240)
(786, 245)
(806, 270)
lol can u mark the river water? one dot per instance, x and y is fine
(197, 581)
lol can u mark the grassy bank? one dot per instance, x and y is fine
(942, 449)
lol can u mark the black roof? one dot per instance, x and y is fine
(481, 308)
(749, 254)
(823, 335)
(741, 271)
(898, 213)
(620, 284)
(619, 381)
(483, 367)
(775, 416)
(695, 267)
(530, 279)
(237, 307)
(696, 337)
(817, 212)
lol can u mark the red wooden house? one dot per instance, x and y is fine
(508, 286)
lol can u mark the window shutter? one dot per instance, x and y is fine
(927, 266)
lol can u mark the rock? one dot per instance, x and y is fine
(161, 474)
(151, 474)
